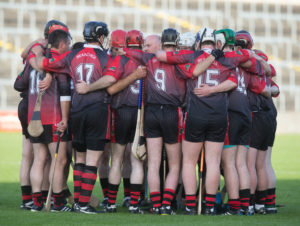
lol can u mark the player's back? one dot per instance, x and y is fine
(163, 85)
(88, 64)
(129, 95)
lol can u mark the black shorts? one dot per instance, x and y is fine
(198, 129)
(273, 123)
(48, 136)
(91, 127)
(23, 116)
(163, 121)
(123, 124)
(262, 131)
(239, 129)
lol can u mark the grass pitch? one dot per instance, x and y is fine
(286, 161)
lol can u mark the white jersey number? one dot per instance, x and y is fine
(160, 78)
(135, 87)
(89, 71)
(34, 82)
(208, 78)
(241, 82)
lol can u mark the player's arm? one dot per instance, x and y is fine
(181, 57)
(259, 86)
(203, 65)
(206, 90)
(22, 81)
(274, 89)
(121, 84)
(58, 65)
(105, 81)
(65, 100)
(227, 85)
(25, 52)
(264, 64)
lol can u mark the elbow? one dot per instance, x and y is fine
(111, 90)
(234, 85)
(266, 93)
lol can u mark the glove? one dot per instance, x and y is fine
(217, 53)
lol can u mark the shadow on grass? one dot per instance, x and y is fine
(10, 214)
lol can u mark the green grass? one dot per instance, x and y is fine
(286, 161)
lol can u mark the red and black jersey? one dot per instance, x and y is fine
(238, 100)
(58, 90)
(121, 67)
(87, 64)
(219, 71)
(162, 84)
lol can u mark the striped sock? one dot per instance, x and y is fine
(104, 186)
(155, 199)
(234, 204)
(245, 198)
(88, 179)
(66, 192)
(260, 197)
(270, 200)
(135, 192)
(252, 199)
(126, 186)
(112, 193)
(37, 199)
(58, 199)
(26, 193)
(190, 201)
(44, 195)
(77, 173)
(210, 200)
(168, 196)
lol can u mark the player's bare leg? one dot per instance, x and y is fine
(231, 177)
(251, 162)
(46, 182)
(26, 163)
(244, 177)
(154, 151)
(270, 201)
(126, 169)
(262, 181)
(174, 158)
(213, 152)
(190, 156)
(36, 174)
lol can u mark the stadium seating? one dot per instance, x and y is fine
(275, 26)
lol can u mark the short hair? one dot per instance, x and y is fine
(78, 45)
(56, 37)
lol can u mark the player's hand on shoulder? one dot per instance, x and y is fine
(203, 90)
(37, 50)
(217, 53)
(46, 82)
(161, 55)
(141, 72)
(120, 51)
(42, 41)
(82, 87)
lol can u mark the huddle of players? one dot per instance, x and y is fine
(195, 97)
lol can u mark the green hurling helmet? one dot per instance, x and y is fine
(226, 36)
